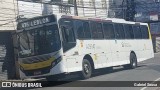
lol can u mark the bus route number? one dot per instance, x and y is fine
(90, 46)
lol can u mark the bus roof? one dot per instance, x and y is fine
(115, 20)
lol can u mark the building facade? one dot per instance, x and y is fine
(87, 8)
(8, 14)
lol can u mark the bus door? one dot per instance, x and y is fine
(68, 42)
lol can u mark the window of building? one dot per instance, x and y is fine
(92, 3)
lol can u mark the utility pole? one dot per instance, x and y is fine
(47, 8)
(130, 12)
(75, 8)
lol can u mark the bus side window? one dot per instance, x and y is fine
(87, 32)
(108, 31)
(93, 30)
(145, 33)
(119, 31)
(99, 30)
(68, 38)
(79, 29)
(128, 31)
(68, 34)
(137, 32)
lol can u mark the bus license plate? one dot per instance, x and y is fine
(37, 72)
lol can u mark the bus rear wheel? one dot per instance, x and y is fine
(86, 69)
(133, 62)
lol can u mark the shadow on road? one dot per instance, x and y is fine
(71, 79)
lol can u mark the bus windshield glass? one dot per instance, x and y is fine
(38, 41)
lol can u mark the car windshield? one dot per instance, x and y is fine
(38, 41)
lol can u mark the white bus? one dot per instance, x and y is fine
(52, 45)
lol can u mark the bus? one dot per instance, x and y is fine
(53, 45)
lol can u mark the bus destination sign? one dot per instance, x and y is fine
(36, 21)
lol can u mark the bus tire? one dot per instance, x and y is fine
(133, 61)
(86, 69)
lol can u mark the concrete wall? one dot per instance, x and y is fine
(8, 14)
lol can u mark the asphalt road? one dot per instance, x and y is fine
(148, 70)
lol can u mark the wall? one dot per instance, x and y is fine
(8, 14)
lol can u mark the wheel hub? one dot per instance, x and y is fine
(86, 68)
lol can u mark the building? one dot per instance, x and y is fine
(8, 17)
(87, 8)
(8, 14)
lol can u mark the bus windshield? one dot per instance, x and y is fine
(38, 41)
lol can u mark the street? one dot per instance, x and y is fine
(148, 70)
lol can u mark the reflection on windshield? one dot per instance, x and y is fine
(39, 41)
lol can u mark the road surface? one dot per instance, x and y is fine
(148, 70)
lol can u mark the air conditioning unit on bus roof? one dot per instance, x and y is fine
(115, 19)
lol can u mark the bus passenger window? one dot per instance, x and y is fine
(137, 32)
(99, 30)
(68, 34)
(94, 30)
(128, 31)
(119, 31)
(145, 32)
(87, 32)
(79, 29)
(108, 31)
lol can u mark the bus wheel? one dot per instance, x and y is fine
(86, 69)
(133, 61)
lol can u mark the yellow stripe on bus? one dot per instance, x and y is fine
(37, 65)
(150, 37)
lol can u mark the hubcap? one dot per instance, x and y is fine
(134, 62)
(86, 68)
